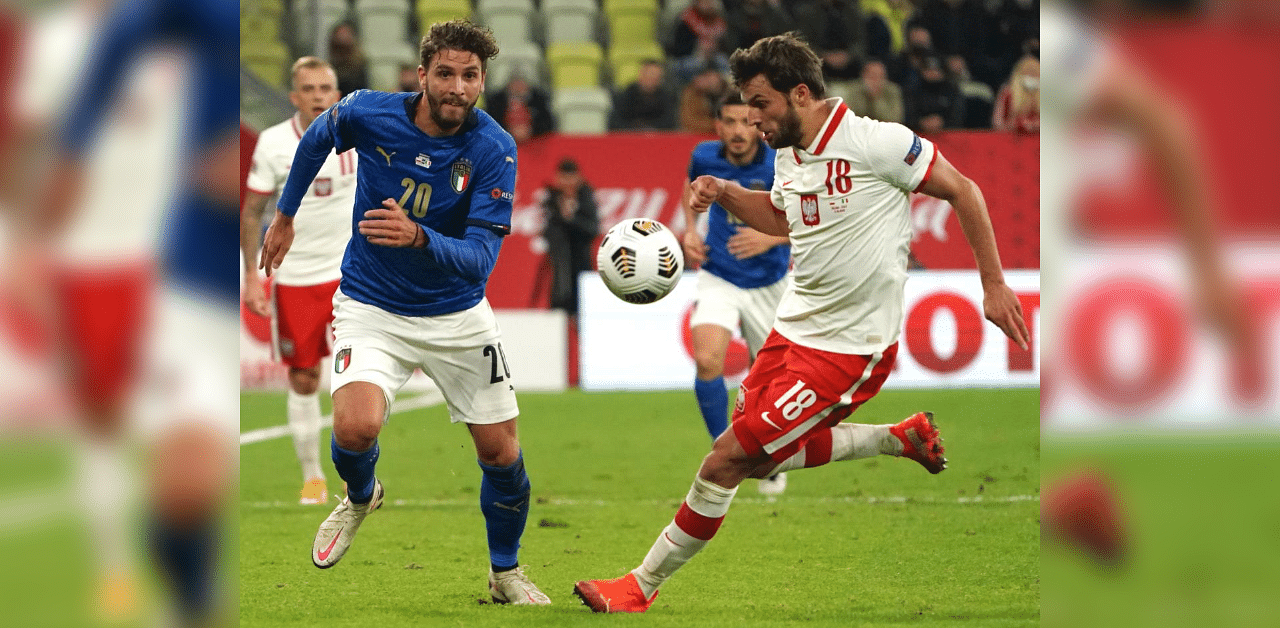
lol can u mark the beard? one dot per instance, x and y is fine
(436, 110)
(788, 133)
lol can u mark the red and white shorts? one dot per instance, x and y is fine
(793, 392)
(300, 334)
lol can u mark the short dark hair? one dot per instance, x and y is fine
(731, 97)
(785, 61)
(458, 35)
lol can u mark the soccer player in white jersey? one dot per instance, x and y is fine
(301, 300)
(413, 280)
(840, 191)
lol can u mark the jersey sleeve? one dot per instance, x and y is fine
(493, 192)
(265, 176)
(332, 131)
(900, 157)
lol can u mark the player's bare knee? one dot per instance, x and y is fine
(355, 430)
(709, 362)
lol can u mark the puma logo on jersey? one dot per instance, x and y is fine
(384, 154)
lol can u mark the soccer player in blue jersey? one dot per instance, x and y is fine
(435, 183)
(743, 271)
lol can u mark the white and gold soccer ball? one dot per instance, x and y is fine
(640, 260)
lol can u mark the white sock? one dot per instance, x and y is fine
(700, 514)
(105, 494)
(304, 423)
(848, 441)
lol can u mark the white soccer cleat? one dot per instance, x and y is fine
(773, 485)
(338, 530)
(513, 587)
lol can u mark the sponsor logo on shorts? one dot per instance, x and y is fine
(286, 347)
(342, 360)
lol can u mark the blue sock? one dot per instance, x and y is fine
(356, 469)
(187, 558)
(504, 500)
(713, 400)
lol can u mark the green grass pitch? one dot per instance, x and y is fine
(866, 543)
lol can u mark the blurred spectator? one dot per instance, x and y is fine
(970, 28)
(646, 103)
(408, 80)
(886, 24)
(701, 38)
(572, 225)
(874, 96)
(522, 109)
(1017, 107)
(835, 31)
(904, 69)
(977, 97)
(347, 58)
(757, 19)
(700, 99)
(935, 103)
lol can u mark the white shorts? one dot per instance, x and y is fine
(461, 352)
(724, 304)
(193, 366)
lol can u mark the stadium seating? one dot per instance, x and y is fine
(631, 21)
(330, 13)
(384, 27)
(570, 20)
(433, 11)
(582, 111)
(667, 20)
(266, 59)
(523, 56)
(574, 64)
(625, 59)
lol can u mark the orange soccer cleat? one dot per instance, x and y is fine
(620, 595)
(920, 441)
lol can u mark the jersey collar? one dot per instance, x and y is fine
(838, 110)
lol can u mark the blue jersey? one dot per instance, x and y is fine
(200, 230)
(753, 272)
(459, 188)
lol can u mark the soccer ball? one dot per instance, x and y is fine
(640, 260)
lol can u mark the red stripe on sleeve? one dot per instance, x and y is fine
(256, 191)
(696, 525)
(928, 171)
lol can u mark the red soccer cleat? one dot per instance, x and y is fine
(921, 442)
(620, 595)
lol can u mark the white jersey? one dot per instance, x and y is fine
(324, 219)
(846, 201)
(130, 178)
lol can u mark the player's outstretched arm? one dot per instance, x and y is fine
(754, 207)
(999, 302)
(695, 248)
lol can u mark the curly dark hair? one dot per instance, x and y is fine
(785, 61)
(458, 35)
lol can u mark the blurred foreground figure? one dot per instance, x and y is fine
(140, 132)
(1178, 425)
